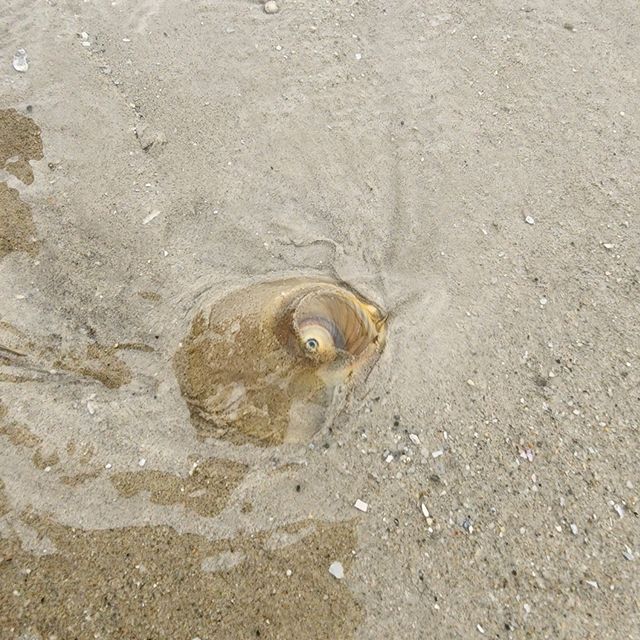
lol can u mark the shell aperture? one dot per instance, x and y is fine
(261, 364)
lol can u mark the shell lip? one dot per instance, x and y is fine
(339, 323)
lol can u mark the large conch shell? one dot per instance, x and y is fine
(261, 364)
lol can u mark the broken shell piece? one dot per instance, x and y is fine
(20, 62)
(361, 505)
(336, 570)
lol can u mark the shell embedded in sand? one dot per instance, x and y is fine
(262, 364)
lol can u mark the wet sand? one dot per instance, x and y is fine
(470, 168)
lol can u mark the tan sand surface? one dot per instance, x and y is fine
(471, 167)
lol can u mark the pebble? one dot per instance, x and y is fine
(271, 7)
(414, 438)
(358, 56)
(20, 61)
(592, 583)
(574, 529)
(438, 453)
(480, 628)
(425, 511)
(628, 554)
(336, 570)
(107, 466)
(142, 462)
(529, 220)
(608, 245)
(361, 505)
(150, 139)
(619, 509)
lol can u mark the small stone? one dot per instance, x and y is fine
(108, 465)
(438, 453)
(389, 458)
(529, 220)
(619, 509)
(151, 140)
(20, 62)
(414, 438)
(480, 628)
(608, 245)
(628, 554)
(142, 462)
(592, 583)
(91, 408)
(271, 7)
(574, 529)
(361, 506)
(289, 573)
(358, 56)
(336, 570)
(425, 511)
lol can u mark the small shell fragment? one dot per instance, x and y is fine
(20, 62)
(154, 214)
(361, 505)
(336, 570)
(271, 7)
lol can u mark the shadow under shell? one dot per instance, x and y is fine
(265, 363)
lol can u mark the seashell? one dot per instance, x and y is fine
(263, 364)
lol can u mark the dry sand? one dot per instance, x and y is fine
(182, 149)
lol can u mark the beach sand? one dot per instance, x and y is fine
(472, 168)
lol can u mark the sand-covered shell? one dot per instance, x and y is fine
(262, 363)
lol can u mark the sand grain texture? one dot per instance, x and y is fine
(158, 155)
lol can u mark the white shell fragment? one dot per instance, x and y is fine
(361, 506)
(20, 62)
(336, 570)
(271, 7)
(425, 511)
(154, 214)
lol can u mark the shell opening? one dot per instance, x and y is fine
(330, 323)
